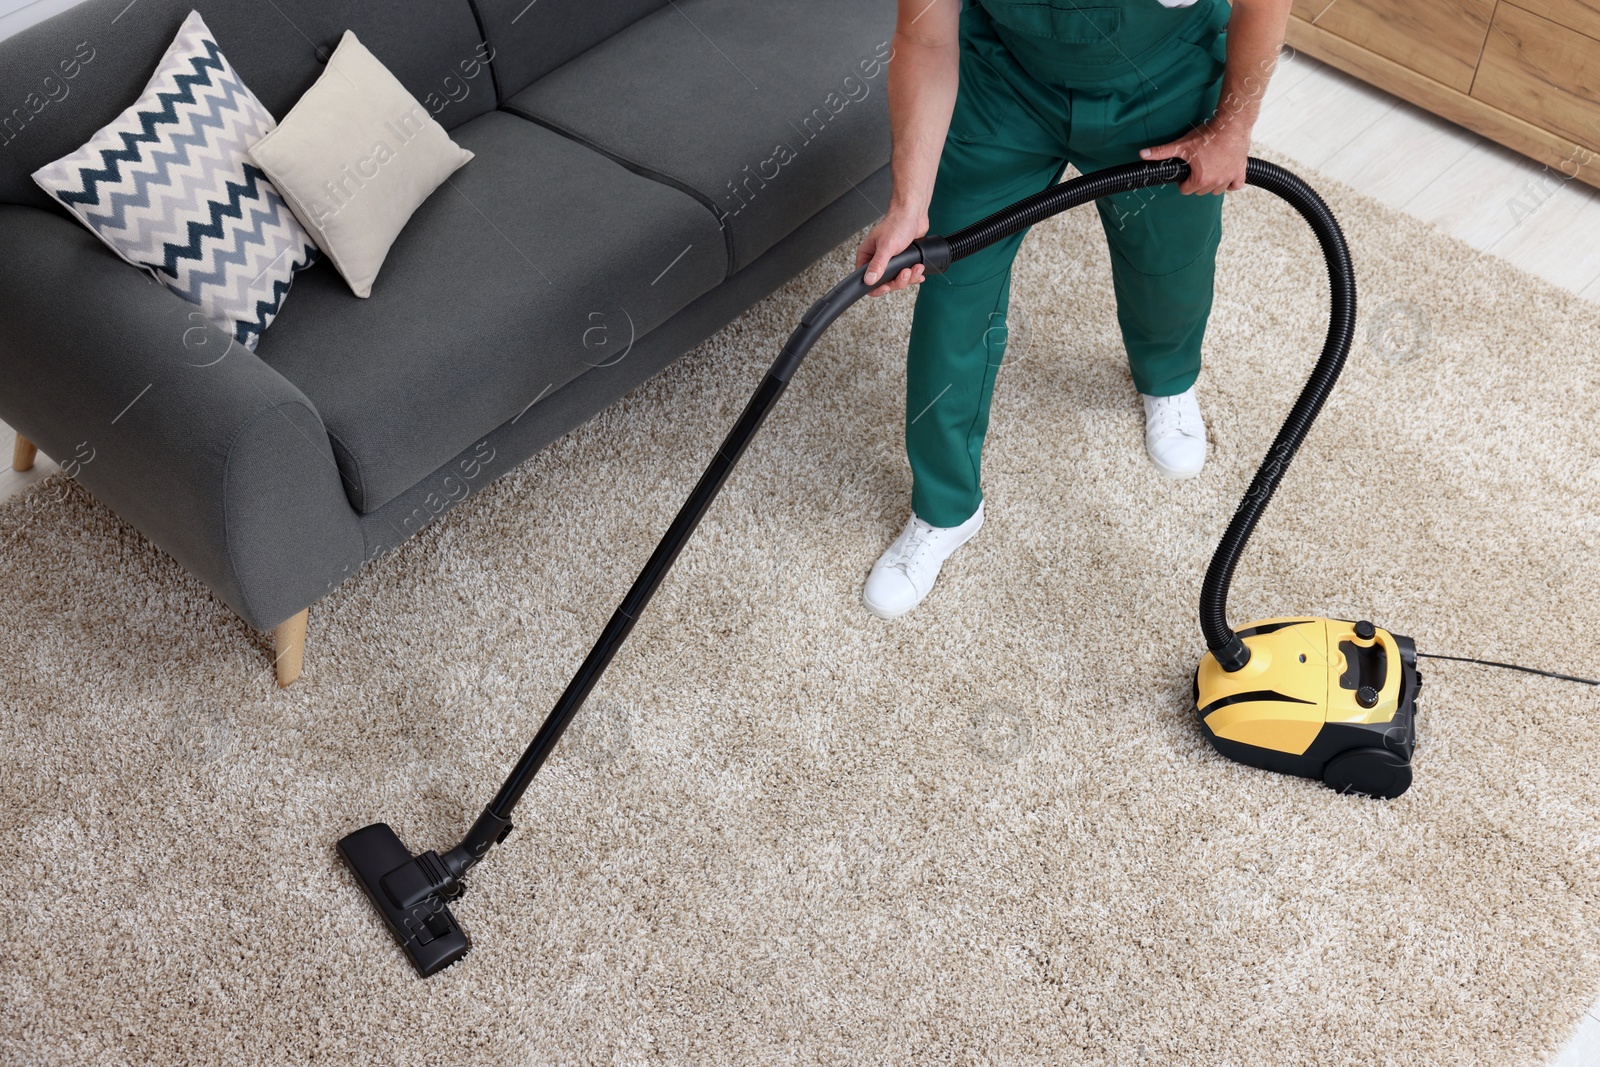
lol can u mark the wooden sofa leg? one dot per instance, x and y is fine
(22, 455)
(289, 647)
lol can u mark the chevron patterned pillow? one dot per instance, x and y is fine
(169, 186)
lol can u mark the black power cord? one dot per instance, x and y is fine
(1512, 667)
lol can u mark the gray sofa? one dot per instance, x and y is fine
(645, 170)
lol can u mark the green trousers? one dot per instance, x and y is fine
(1044, 85)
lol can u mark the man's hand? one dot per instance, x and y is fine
(1216, 152)
(892, 235)
(924, 70)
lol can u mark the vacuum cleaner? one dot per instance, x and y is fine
(1321, 698)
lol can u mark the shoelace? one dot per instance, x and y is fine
(1167, 415)
(915, 544)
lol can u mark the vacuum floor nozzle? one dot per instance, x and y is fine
(429, 934)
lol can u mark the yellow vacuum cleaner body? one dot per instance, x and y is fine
(1319, 698)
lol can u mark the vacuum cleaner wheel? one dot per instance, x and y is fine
(1377, 772)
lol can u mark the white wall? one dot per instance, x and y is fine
(18, 15)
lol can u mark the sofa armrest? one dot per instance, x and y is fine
(186, 434)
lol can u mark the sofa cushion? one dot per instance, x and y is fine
(531, 265)
(66, 77)
(355, 157)
(766, 112)
(532, 39)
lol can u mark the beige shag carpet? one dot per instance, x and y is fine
(787, 832)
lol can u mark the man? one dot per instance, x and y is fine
(989, 100)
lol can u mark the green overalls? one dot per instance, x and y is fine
(1044, 84)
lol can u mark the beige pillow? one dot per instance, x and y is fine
(354, 158)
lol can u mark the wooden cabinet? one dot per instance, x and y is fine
(1543, 71)
(1525, 74)
(1580, 15)
(1439, 39)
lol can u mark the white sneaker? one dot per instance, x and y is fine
(1175, 434)
(906, 571)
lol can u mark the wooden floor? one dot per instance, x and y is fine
(1491, 198)
(1498, 202)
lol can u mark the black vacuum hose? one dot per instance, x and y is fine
(1230, 652)
(936, 254)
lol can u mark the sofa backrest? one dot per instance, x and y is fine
(533, 37)
(64, 78)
